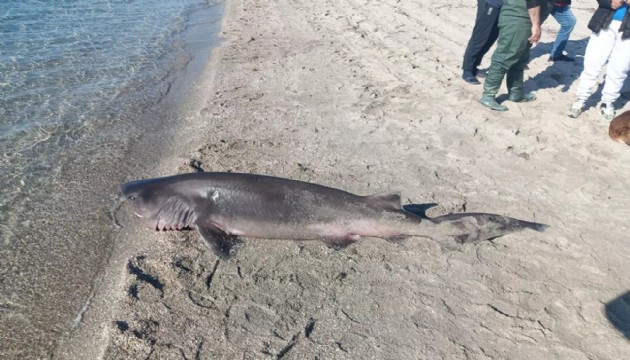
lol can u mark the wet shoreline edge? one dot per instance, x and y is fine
(181, 103)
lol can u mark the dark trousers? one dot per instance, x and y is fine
(510, 57)
(484, 34)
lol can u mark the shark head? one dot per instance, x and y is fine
(146, 198)
(157, 205)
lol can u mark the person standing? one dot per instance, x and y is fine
(610, 41)
(519, 28)
(484, 34)
(561, 12)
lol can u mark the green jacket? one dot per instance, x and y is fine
(517, 9)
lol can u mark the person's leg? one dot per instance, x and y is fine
(514, 77)
(493, 34)
(616, 73)
(494, 78)
(597, 51)
(616, 70)
(504, 57)
(482, 32)
(564, 16)
(477, 37)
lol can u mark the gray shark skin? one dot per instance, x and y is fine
(225, 206)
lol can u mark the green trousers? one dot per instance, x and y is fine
(510, 57)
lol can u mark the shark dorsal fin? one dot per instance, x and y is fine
(390, 201)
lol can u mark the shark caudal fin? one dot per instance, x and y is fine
(474, 227)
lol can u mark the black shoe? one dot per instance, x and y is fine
(470, 78)
(561, 57)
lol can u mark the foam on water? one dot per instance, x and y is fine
(81, 83)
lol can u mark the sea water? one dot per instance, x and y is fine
(81, 82)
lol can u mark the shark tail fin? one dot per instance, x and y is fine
(475, 227)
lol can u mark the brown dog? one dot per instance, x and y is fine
(619, 129)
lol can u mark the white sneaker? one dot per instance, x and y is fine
(576, 108)
(607, 110)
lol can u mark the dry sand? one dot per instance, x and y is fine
(366, 96)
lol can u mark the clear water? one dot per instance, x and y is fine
(81, 82)
(65, 65)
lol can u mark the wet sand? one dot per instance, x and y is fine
(56, 247)
(366, 96)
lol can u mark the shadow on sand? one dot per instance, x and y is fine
(618, 313)
(558, 73)
(564, 74)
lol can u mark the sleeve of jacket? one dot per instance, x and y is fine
(606, 4)
(533, 3)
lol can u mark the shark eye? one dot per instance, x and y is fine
(132, 197)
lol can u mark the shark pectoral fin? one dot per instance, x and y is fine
(222, 244)
(342, 243)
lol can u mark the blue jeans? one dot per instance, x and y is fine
(564, 16)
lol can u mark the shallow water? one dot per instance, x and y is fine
(81, 83)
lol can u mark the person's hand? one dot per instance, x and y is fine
(616, 4)
(535, 34)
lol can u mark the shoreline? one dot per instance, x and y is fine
(183, 104)
(359, 96)
(52, 280)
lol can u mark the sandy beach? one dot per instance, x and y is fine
(366, 96)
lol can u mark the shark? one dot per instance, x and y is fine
(224, 207)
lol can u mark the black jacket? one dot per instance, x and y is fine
(603, 16)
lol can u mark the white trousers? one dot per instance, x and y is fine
(606, 45)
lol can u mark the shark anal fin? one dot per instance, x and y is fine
(397, 239)
(222, 244)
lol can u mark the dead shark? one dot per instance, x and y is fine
(225, 206)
